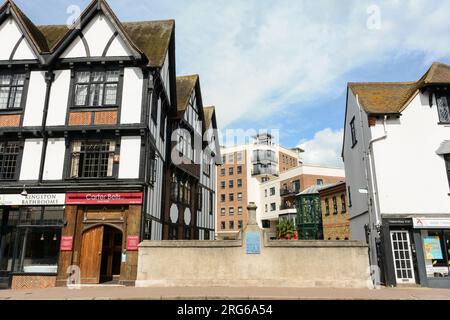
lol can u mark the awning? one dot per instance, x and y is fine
(444, 148)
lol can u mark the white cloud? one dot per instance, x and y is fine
(324, 149)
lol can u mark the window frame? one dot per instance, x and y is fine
(25, 88)
(447, 96)
(19, 157)
(353, 132)
(115, 165)
(91, 69)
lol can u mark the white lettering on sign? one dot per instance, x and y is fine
(102, 197)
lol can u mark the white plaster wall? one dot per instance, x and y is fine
(118, 48)
(54, 159)
(24, 51)
(35, 99)
(97, 34)
(75, 50)
(59, 96)
(132, 96)
(411, 176)
(31, 159)
(130, 153)
(9, 35)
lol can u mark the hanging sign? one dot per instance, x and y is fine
(132, 243)
(104, 198)
(66, 243)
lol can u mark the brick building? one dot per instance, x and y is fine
(335, 213)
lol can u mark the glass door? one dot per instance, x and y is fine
(401, 250)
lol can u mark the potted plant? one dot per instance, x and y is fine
(286, 230)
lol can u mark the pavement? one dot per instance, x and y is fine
(223, 293)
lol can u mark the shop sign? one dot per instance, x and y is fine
(252, 241)
(104, 198)
(37, 199)
(66, 243)
(425, 223)
(132, 243)
(432, 247)
(398, 221)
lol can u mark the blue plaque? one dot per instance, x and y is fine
(253, 242)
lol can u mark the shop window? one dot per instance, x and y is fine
(436, 244)
(92, 159)
(9, 155)
(39, 235)
(12, 91)
(96, 88)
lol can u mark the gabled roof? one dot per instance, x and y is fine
(185, 86)
(32, 33)
(393, 97)
(148, 38)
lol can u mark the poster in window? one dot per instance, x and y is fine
(432, 247)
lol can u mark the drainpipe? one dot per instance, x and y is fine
(49, 78)
(372, 245)
(372, 174)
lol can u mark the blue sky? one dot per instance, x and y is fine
(284, 65)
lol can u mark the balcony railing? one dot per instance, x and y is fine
(287, 206)
(288, 191)
(271, 171)
(264, 156)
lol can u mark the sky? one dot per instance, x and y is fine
(285, 64)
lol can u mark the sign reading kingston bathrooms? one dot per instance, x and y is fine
(252, 241)
(38, 199)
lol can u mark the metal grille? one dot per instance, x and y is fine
(11, 90)
(9, 152)
(401, 250)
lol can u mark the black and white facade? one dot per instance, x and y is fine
(84, 143)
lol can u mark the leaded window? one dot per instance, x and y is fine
(353, 132)
(11, 90)
(9, 153)
(443, 108)
(92, 159)
(96, 88)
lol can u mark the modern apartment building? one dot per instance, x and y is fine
(87, 114)
(278, 196)
(243, 169)
(396, 151)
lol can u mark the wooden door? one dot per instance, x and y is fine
(91, 255)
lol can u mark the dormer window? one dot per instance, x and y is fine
(11, 91)
(443, 108)
(96, 88)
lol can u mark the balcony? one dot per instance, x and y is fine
(284, 192)
(264, 156)
(264, 171)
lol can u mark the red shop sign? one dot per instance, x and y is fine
(104, 198)
(132, 243)
(66, 243)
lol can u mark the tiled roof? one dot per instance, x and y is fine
(185, 86)
(392, 97)
(152, 38)
(208, 113)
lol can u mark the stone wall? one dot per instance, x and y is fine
(331, 264)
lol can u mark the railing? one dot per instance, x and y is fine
(264, 156)
(288, 191)
(265, 171)
(287, 206)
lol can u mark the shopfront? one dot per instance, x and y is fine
(432, 236)
(101, 237)
(30, 235)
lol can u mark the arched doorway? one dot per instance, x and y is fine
(100, 256)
